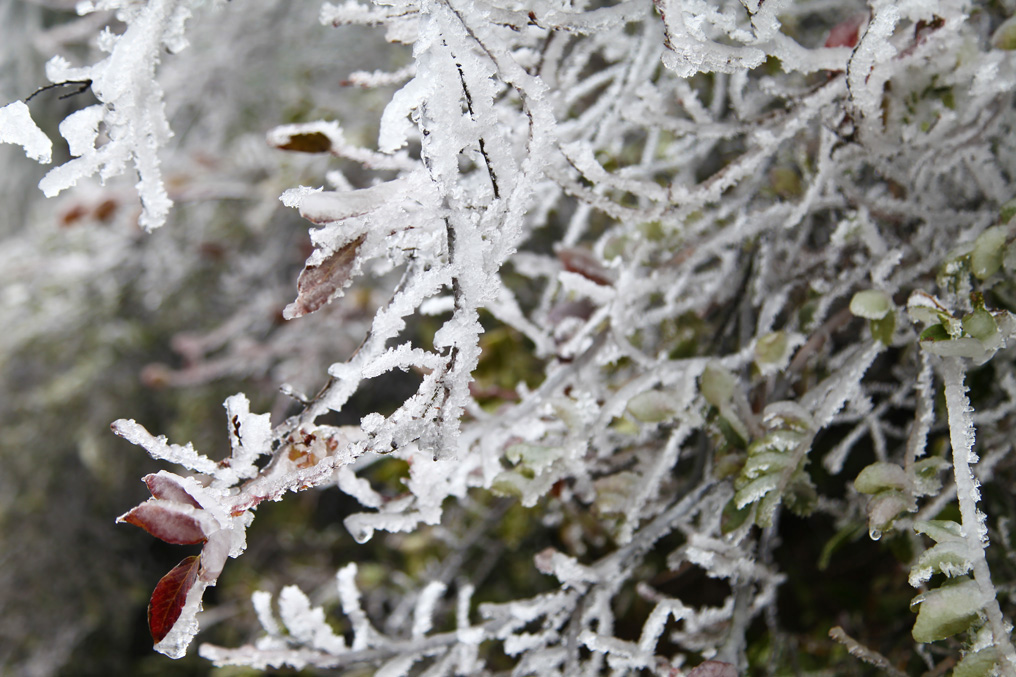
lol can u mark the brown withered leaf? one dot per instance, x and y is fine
(321, 283)
(169, 597)
(165, 523)
(308, 142)
(163, 486)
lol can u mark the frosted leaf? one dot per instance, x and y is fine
(250, 435)
(349, 596)
(766, 463)
(358, 488)
(755, 490)
(160, 449)
(872, 304)
(880, 477)
(262, 602)
(717, 385)
(941, 531)
(397, 667)
(170, 521)
(293, 197)
(324, 279)
(946, 611)
(308, 137)
(774, 350)
(306, 623)
(951, 558)
(179, 638)
(883, 509)
(17, 127)
(396, 128)
(652, 406)
(81, 129)
(989, 248)
(653, 627)
(423, 612)
(166, 485)
(217, 549)
(568, 570)
(925, 308)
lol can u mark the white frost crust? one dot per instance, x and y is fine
(17, 127)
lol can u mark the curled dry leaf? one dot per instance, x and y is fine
(319, 284)
(166, 521)
(169, 597)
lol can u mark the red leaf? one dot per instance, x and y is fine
(714, 669)
(165, 523)
(845, 33)
(325, 281)
(164, 486)
(169, 597)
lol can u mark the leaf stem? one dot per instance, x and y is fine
(962, 435)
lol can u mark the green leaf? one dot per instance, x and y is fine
(989, 248)
(755, 490)
(1007, 211)
(946, 611)
(871, 304)
(883, 508)
(771, 348)
(939, 531)
(534, 456)
(980, 324)
(926, 479)
(977, 663)
(717, 385)
(765, 463)
(881, 477)
(935, 332)
(949, 558)
(733, 517)
(652, 406)
(1005, 36)
(733, 434)
(882, 330)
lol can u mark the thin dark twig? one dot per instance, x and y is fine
(82, 85)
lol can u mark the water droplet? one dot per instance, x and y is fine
(875, 533)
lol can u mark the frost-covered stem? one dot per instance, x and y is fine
(869, 656)
(961, 436)
(482, 144)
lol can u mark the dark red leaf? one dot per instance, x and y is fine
(321, 283)
(165, 523)
(164, 486)
(169, 597)
(583, 262)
